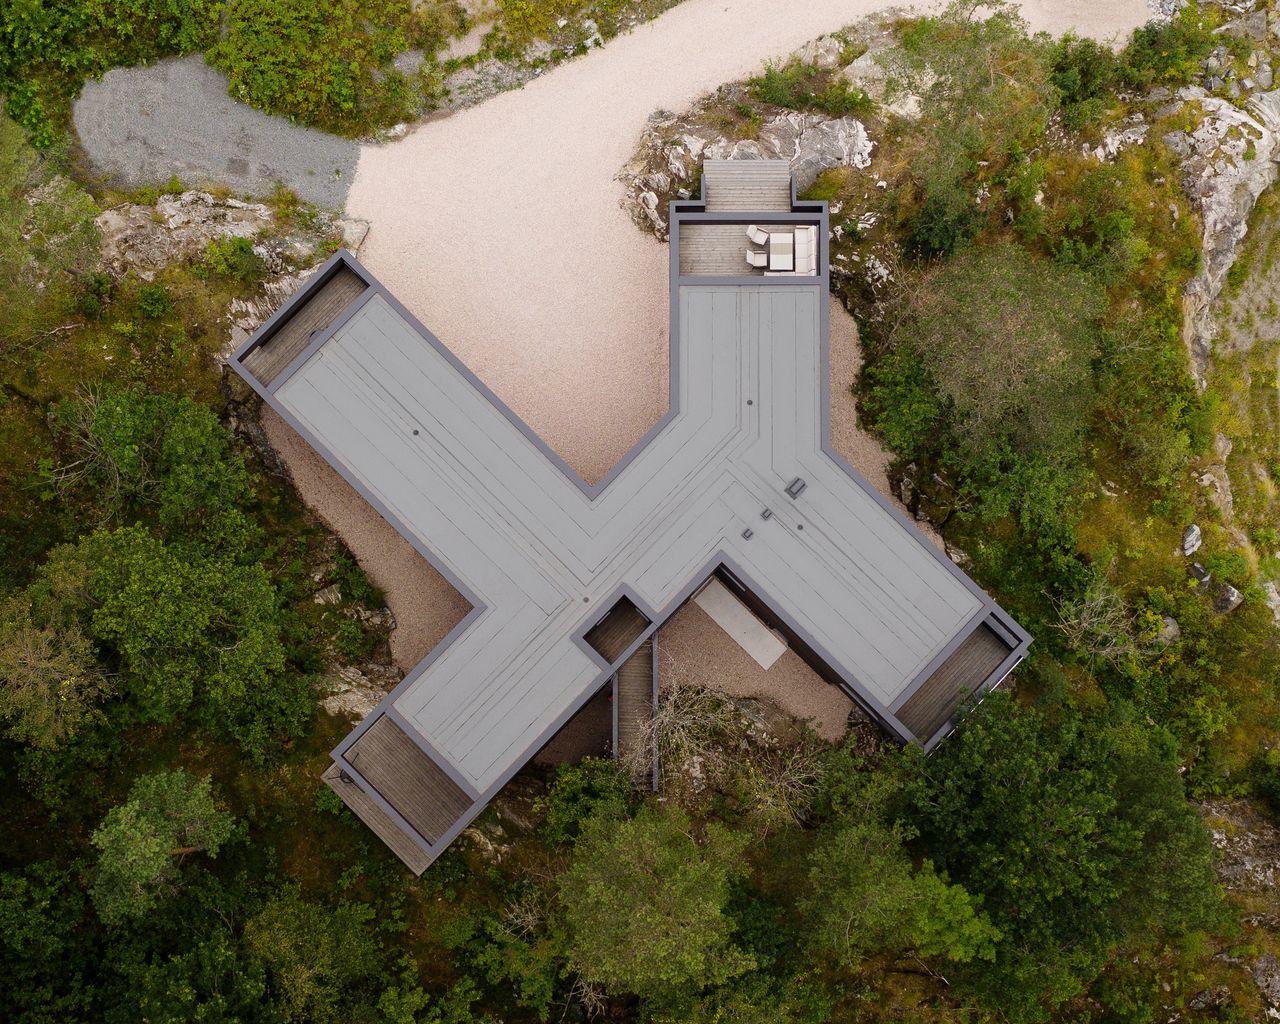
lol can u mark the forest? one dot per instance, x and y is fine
(169, 853)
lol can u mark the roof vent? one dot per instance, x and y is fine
(796, 487)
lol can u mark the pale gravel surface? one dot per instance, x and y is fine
(693, 650)
(500, 226)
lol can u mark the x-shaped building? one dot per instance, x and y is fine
(569, 582)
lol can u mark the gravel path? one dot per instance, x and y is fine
(500, 226)
(145, 124)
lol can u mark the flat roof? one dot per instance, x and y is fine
(738, 476)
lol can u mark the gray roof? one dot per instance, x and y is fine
(543, 556)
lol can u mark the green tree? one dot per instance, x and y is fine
(189, 628)
(988, 364)
(142, 842)
(314, 955)
(1075, 834)
(645, 905)
(985, 89)
(141, 452)
(593, 788)
(866, 897)
(51, 683)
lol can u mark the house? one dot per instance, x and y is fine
(569, 581)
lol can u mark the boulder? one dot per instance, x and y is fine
(355, 692)
(1266, 975)
(1226, 598)
(332, 594)
(1273, 599)
(1170, 631)
(824, 52)
(868, 75)
(672, 149)
(1191, 540)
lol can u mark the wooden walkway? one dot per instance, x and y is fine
(415, 858)
(268, 360)
(931, 706)
(419, 789)
(633, 700)
(717, 250)
(747, 186)
(617, 631)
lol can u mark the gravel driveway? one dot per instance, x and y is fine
(145, 124)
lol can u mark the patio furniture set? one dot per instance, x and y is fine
(793, 251)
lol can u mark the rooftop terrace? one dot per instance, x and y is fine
(570, 582)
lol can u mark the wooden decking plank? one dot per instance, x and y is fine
(364, 807)
(617, 631)
(408, 779)
(931, 706)
(634, 698)
(269, 360)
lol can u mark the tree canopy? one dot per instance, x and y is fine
(645, 905)
(141, 843)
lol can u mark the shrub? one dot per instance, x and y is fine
(948, 219)
(134, 451)
(1083, 72)
(314, 63)
(1168, 52)
(593, 788)
(154, 301)
(800, 86)
(231, 257)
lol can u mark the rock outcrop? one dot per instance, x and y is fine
(673, 147)
(148, 238)
(1228, 161)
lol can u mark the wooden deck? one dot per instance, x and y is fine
(617, 631)
(364, 808)
(419, 789)
(268, 360)
(931, 706)
(749, 186)
(716, 250)
(633, 699)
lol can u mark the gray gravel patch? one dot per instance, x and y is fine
(145, 124)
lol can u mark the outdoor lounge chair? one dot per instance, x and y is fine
(758, 235)
(757, 259)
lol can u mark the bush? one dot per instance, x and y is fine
(948, 219)
(1169, 53)
(1084, 73)
(154, 301)
(231, 257)
(315, 63)
(135, 451)
(593, 788)
(48, 49)
(800, 86)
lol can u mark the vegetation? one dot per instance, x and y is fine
(170, 815)
(170, 853)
